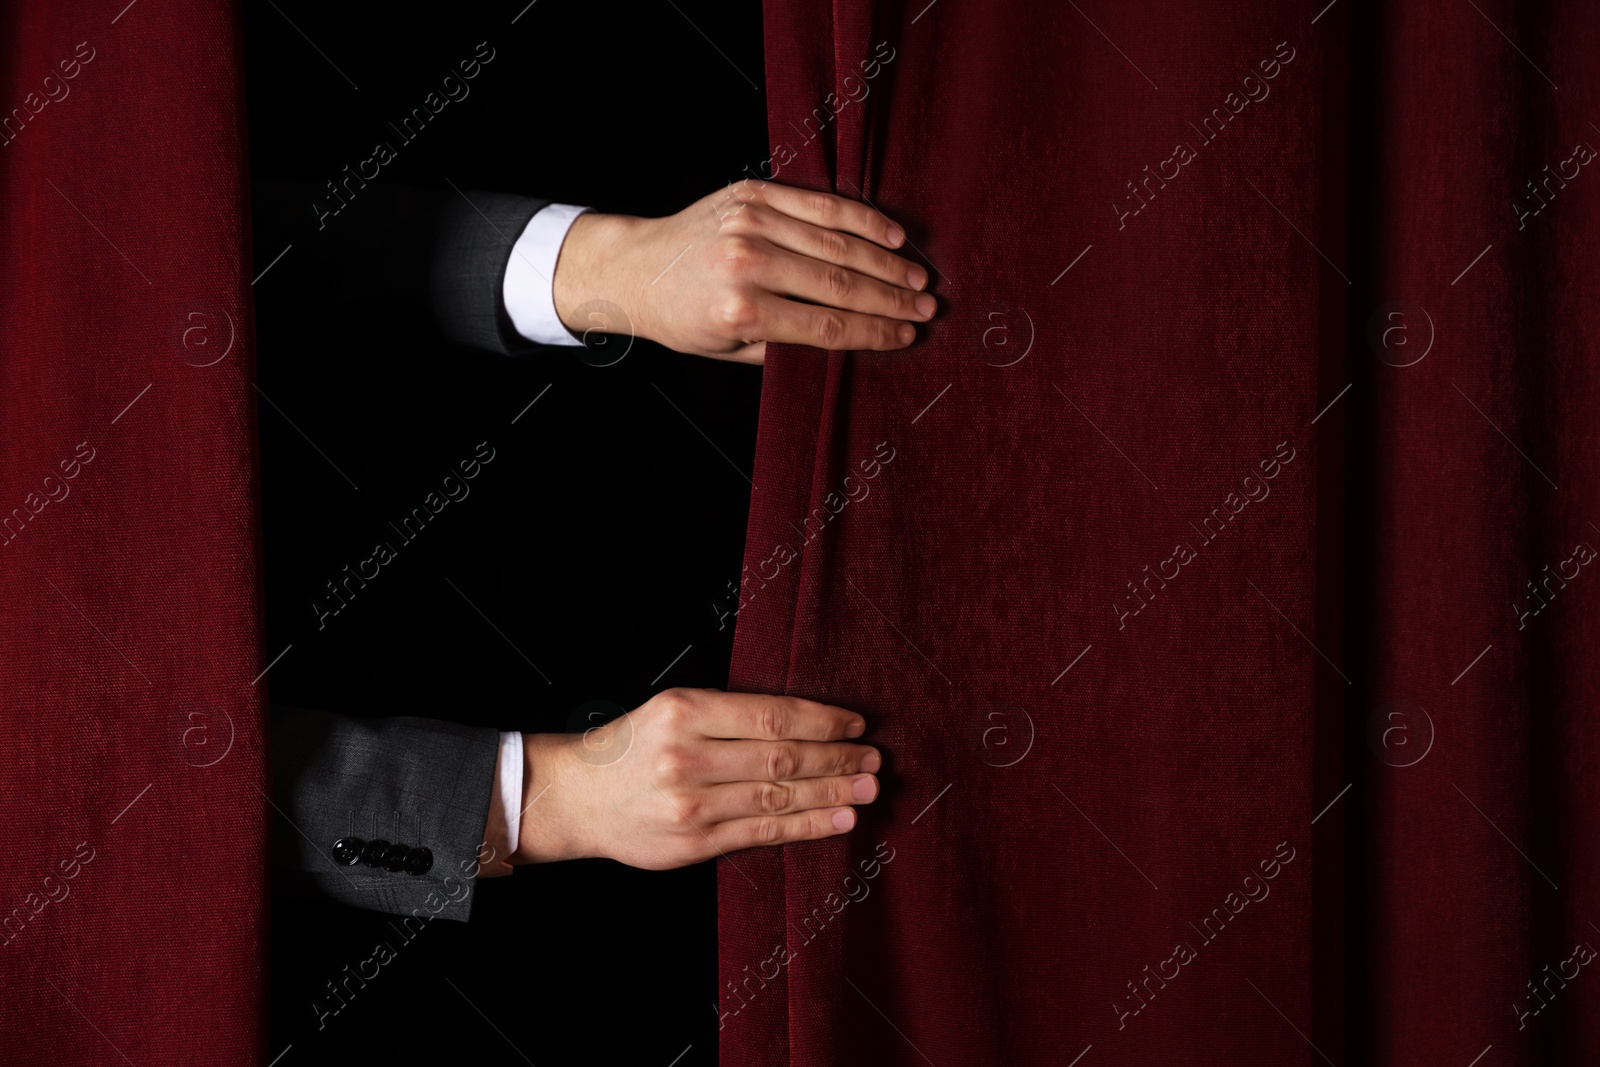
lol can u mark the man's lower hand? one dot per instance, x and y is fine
(691, 774)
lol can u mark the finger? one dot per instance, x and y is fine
(784, 761)
(831, 246)
(742, 800)
(834, 286)
(834, 213)
(782, 829)
(778, 319)
(750, 352)
(766, 717)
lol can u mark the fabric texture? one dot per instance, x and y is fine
(133, 897)
(1191, 569)
(404, 780)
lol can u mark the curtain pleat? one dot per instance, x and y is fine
(1182, 569)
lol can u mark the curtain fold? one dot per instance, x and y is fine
(1203, 571)
(133, 897)
(1481, 467)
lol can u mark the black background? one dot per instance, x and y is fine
(597, 540)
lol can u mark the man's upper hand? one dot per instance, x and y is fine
(751, 263)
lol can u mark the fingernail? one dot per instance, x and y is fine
(925, 305)
(843, 819)
(908, 333)
(897, 237)
(872, 763)
(856, 728)
(917, 277)
(864, 789)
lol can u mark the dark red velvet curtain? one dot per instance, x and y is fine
(1183, 569)
(133, 892)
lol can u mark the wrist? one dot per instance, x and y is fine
(547, 831)
(595, 265)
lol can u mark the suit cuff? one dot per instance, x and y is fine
(529, 288)
(505, 807)
(415, 782)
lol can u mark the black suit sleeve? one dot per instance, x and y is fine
(395, 250)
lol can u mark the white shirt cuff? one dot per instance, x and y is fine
(529, 290)
(510, 798)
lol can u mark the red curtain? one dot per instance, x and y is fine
(133, 893)
(1183, 569)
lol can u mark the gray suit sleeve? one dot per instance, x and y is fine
(334, 777)
(393, 249)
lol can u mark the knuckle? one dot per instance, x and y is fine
(829, 329)
(773, 797)
(687, 811)
(823, 206)
(671, 765)
(772, 722)
(783, 760)
(740, 254)
(768, 830)
(839, 283)
(742, 217)
(673, 708)
(736, 314)
(833, 245)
